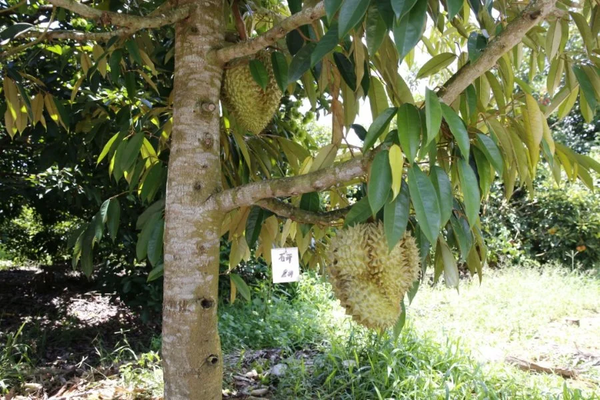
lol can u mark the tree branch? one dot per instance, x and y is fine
(512, 35)
(133, 22)
(18, 49)
(77, 35)
(11, 9)
(287, 210)
(251, 193)
(270, 37)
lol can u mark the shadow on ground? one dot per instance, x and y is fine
(68, 326)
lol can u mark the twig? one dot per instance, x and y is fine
(531, 366)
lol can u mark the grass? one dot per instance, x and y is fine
(453, 345)
(437, 355)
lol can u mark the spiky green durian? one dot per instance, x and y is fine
(251, 106)
(368, 279)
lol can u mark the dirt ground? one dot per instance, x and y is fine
(68, 325)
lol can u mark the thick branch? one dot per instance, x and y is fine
(270, 37)
(287, 210)
(512, 35)
(133, 22)
(250, 193)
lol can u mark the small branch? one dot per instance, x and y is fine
(530, 366)
(77, 35)
(133, 22)
(322, 179)
(270, 37)
(287, 210)
(19, 49)
(10, 9)
(512, 35)
(239, 21)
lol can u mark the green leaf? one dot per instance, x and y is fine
(241, 286)
(156, 272)
(107, 148)
(134, 52)
(470, 189)
(280, 69)
(359, 213)
(409, 130)
(401, 321)
(300, 63)
(408, 30)
(104, 211)
(453, 8)
(380, 181)
(412, 292)
(484, 170)
(155, 242)
(351, 14)
(386, 11)
(360, 131)
(115, 65)
(463, 235)
(114, 218)
(256, 216)
(14, 30)
(148, 214)
(450, 267)
(130, 85)
(326, 45)
(132, 149)
(433, 115)
(436, 64)
(152, 182)
(402, 7)
(458, 129)
(476, 45)
(141, 248)
(492, 152)
(259, 73)
(443, 189)
(346, 68)
(586, 87)
(331, 7)
(375, 31)
(425, 202)
(378, 127)
(395, 217)
(310, 202)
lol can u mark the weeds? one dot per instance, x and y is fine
(15, 360)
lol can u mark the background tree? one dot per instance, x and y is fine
(104, 71)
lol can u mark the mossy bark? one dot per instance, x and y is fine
(191, 348)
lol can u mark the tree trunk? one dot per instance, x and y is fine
(191, 348)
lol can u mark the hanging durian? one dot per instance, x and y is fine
(251, 106)
(368, 279)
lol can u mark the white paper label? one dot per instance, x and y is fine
(285, 265)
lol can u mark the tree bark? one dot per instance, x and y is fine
(191, 348)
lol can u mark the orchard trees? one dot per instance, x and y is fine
(116, 72)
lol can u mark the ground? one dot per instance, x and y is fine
(63, 339)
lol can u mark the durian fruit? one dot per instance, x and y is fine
(251, 106)
(368, 279)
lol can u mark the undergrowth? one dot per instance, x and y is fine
(327, 356)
